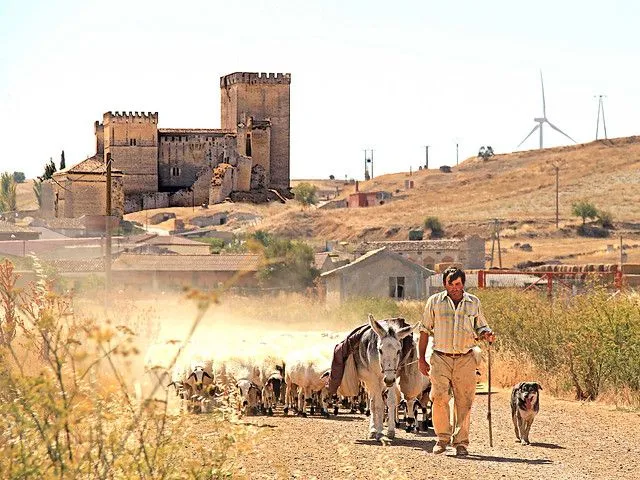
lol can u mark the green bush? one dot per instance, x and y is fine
(215, 244)
(605, 219)
(584, 209)
(433, 224)
(305, 193)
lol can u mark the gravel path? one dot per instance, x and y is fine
(570, 440)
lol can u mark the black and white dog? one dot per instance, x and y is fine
(525, 403)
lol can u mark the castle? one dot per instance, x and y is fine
(161, 167)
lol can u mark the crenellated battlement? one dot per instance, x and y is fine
(130, 117)
(255, 78)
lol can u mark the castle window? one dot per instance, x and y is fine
(175, 171)
(248, 145)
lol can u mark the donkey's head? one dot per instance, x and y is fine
(389, 349)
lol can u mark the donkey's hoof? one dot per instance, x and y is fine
(373, 435)
(391, 435)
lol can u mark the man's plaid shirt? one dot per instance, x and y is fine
(454, 330)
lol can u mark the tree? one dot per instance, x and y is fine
(19, 177)
(63, 164)
(332, 177)
(7, 193)
(433, 224)
(485, 152)
(584, 209)
(306, 193)
(288, 264)
(49, 170)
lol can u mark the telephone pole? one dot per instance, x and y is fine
(426, 162)
(556, 166)
(107, 231)
(495, 238)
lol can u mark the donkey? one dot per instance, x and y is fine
(378, 360)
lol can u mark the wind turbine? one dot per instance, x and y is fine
(543, 119)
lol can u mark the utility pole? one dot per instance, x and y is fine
(456, 153)
(495, 238)
(365, 164)
(556, 166)
(601, 108)
(107, 222)
(426, 162)
(368, 160)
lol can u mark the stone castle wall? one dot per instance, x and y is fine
(260, 97)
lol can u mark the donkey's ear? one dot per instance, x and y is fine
(404, 332)
(539, 386)
(376, 326)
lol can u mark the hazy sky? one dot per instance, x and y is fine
(382, 75)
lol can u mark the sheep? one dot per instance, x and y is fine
(305, 370)
(272, 388)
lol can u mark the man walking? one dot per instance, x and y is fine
(455, 319)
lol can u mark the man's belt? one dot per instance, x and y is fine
(452, 355)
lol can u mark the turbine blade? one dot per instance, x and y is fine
(530, 133)
(558, 130)
(544, 105)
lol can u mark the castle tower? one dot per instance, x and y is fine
(256, 107)
(132, 140)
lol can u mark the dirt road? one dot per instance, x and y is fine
(570, 440)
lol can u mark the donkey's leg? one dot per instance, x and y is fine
(377, 413)
(392, 403)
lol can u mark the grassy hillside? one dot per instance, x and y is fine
(517, 188)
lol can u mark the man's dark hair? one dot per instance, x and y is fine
(452, 274)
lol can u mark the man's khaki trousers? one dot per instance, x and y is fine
(457, 375)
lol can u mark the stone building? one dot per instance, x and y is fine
(161, 167)
(377, 273)
(469, 251)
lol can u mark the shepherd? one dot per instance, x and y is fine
(455, 319)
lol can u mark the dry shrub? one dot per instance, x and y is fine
(588, 342)
(66, 409)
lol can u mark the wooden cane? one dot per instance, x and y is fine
(489, 394)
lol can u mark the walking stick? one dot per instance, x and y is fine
(489, 395)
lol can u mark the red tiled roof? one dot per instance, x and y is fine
(200, 263)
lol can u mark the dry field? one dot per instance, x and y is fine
(517, 188)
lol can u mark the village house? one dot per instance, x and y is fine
(377, 273)
(11, 231)
(468, 252)
(175, 272)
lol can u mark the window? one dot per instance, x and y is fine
(396, 287)
(175, 171)
(133, 142)
(248, 146)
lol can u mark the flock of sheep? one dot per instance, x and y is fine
(288, 369)
(285, 369)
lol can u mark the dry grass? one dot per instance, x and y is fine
(25, 198)
(518, 188)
